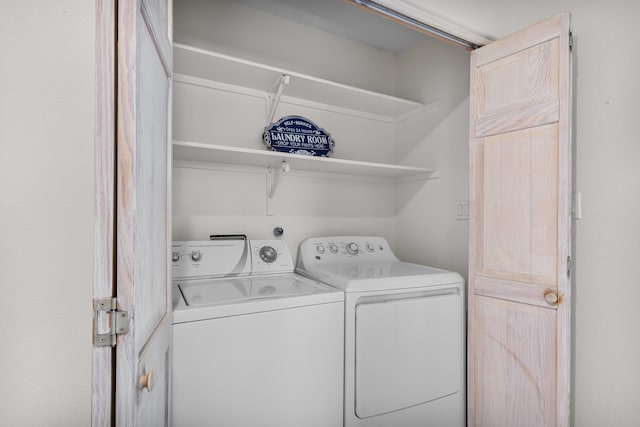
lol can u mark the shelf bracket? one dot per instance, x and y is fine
(273, 180)
(274, 94)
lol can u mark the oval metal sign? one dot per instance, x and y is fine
(298, 135)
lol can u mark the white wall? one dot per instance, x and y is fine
(207, 200)
(46, 211)
(221, 201)
(427, 229)
(210, 115)
(265, 38)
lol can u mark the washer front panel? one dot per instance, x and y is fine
(279, 368)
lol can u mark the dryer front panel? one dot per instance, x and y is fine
(407, 352)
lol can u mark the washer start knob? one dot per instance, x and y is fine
(352, 249)
(268, 254)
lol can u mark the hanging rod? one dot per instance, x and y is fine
(414, 23)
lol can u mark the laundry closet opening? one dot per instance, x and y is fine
(388, 95)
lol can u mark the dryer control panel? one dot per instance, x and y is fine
(345, 249)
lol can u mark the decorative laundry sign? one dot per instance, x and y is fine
(298, 135)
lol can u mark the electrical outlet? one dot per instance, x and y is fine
(462, 210)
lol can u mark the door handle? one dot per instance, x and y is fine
(551, 297)
(146, 381)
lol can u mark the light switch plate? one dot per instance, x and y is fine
(576, 205)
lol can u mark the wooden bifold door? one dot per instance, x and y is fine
(519, 265)
(132, 382)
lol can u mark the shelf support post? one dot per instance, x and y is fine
(274, 94)
(273, 180)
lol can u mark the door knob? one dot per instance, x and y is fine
(551, 297)
(146, 380)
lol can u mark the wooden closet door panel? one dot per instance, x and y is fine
(515, 347)
(143, 355)
(519, 90)
(519, 192)
(519, 288)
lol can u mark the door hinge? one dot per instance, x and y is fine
(569, 266)
(570, 41)
(118, 322)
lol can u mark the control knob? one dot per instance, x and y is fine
(352, 249)
(370, 247)
(333, 248)
(196, 256)
(268, 254)
(175, 256)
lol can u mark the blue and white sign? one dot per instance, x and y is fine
(297, 135)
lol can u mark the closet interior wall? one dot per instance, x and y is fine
(417, 216)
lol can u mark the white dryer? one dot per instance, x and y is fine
(404, 333)
(254, 343)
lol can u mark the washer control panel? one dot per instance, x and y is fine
(270, 256)
(345, 249)
(232, 257)
(209, 258)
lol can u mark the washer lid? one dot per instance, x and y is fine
(358, 277)
(229, 290)
(224, 297)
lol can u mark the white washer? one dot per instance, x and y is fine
(404, 333)
(254, 343)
